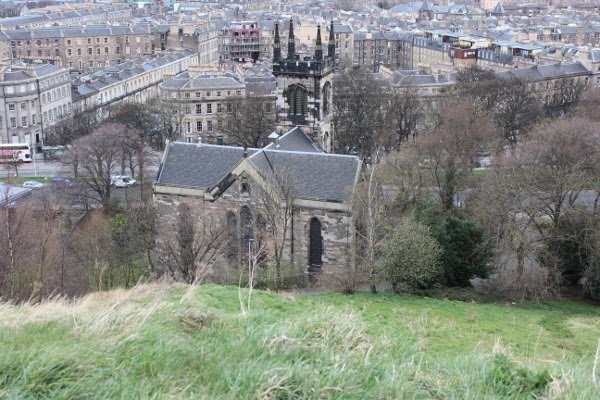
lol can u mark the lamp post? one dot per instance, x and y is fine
(250, 249)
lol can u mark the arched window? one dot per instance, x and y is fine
(297, 97)
(246, 228)
(315, 247)
(232, 252)
(326, 98)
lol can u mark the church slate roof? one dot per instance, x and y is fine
(198, 165)
(315, 174)
(295, 140)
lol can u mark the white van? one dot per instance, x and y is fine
(122, 181)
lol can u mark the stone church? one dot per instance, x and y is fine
(225, 187)
(304, 87)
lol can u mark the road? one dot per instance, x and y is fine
(52, 169)
(40, 168)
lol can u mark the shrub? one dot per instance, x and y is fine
(464, 252)
(410, 258)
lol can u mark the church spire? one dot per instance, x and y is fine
(276, 45)
(291, 42)
(331, 45)
(319, 46)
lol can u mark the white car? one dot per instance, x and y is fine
(33, 185)
(122, 181)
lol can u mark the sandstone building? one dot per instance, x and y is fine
(304, 87)
(32, 98)
(223, 185)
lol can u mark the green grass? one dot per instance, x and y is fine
(171, 342)
(18, 180)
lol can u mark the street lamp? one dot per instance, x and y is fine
(250, 249)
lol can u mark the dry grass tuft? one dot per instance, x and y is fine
(97, 310)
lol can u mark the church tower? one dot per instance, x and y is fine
(304, 87)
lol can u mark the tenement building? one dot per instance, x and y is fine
(34, 97)
(200, 97)
(289, 192)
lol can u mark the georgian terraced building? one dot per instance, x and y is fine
(34, 97)
(200, 97)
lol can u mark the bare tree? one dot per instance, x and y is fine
(189, 254)
(167, 119)
(369, 214)
(72, 127)
(524, 201)
(513, 107)
(94, 158)
(450, 150)
(564, 97)
(361, 110)
(274, 205)
(405, 112)
(247, 121)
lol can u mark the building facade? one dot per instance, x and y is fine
(134, 81)
(200, 97)
(34, 97)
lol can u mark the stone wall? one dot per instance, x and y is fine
(337, 229)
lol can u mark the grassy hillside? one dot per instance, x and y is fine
(170, 342)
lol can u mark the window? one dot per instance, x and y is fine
(297, 98)
(79, 52)
(90, 50)
(106, 50)
(229, 107)
(198, 108)
(189, 127)
(98, 51)
(105, 40)
(23, 105)
(57, 52)
(11, 107)
(89, 40)
(207, 94)
(97, 40)
(218, 94)
(68, 42)
(238, 92)
(188, 110)
(219, 108)
(209, 126)
(33, 122)
(199, 126)
(23, 121)
(69, 52)
(187, 95)
(13, 122)
(198, 95)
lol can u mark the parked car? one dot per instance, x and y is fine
(33, 185)
(122, 181)
(62, 182)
